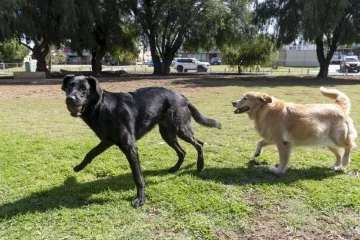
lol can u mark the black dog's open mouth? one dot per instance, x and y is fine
(75, 110)
(242, 110)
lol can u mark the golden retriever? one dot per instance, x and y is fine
(287, 124)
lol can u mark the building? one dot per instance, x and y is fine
(74, 58)
(298, 55)
(204, 56)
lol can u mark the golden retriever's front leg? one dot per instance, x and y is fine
(284, 149)
(262, 143)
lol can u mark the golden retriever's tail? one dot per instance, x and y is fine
(339, 97)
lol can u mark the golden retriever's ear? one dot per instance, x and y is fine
(266, 98)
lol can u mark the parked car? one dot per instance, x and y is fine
(336, 59)
(173, 61)
(215, 61)
(150, 63)
(350, 63)
(185, 64)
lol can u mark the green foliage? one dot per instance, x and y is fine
(12, 51)
(310, 19)
(38, 24)
(123, 57)
(105, 26)
(326, 23)
(57, 56)
(189, 24)
(248, 53)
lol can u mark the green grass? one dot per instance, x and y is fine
(42, 198)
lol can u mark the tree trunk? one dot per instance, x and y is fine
(157, 65)
(324, 71)
(239, 69)
(166, 66)
(96, 58)
(39, 53)
(162, 66)
(324, 61)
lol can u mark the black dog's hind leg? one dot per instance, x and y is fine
(101, 147)
(186, 134)
(169, 135)
(130, 150)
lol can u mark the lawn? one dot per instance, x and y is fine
(42, 198)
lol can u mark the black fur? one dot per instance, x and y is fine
(122, 118)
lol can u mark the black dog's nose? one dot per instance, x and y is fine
(234, 104)
(70, 100)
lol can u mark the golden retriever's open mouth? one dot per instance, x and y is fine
(242, 110)
(75, 110)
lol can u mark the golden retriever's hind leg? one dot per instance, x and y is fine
(346, 157)
(262, 143)
(338, 155)
(284, 149)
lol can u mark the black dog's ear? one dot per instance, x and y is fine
(66, 80)
(94, 83)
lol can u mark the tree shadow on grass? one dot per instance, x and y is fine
(73, 194)
(253, 81)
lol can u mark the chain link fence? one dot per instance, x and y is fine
(274, 69)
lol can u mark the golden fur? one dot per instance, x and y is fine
(287, 124)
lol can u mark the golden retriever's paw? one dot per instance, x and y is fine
(276, 170)
(336, 168)
(257, 153)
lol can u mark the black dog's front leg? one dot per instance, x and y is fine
(101, 147)
(130, 150)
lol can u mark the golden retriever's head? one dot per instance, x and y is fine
(251, 101)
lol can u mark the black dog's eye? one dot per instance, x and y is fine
(82, 87)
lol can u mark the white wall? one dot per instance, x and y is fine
(298, 58)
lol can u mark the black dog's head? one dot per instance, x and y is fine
(80, 91)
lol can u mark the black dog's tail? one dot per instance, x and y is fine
(202, 119)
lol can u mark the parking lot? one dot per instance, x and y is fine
(334, 70)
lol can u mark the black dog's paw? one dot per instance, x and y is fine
(138, 202)
(173, 169)
(200, 166)
(78, 168)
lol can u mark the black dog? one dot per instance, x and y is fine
(122, 118)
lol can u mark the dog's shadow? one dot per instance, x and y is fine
(260, 174)
(73, 194)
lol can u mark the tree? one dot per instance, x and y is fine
(249, 52)
(105, 26)
(326, 23)
(12, 51)
(190, 24)
(55, 56)
(38, 24)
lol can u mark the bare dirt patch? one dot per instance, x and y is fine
(186, 83)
